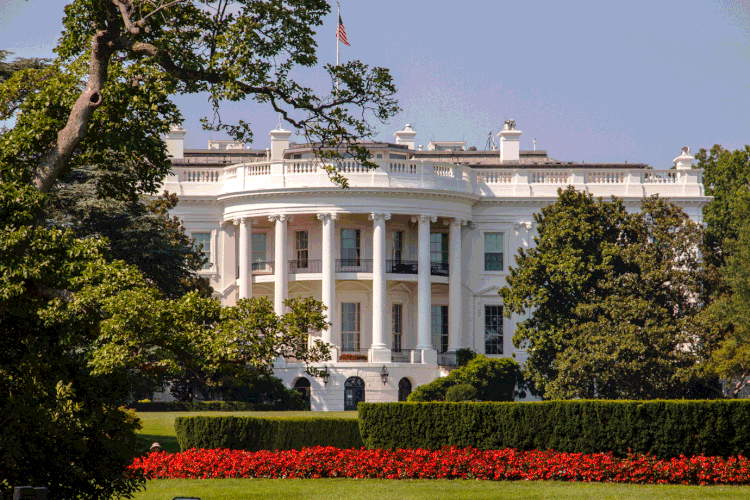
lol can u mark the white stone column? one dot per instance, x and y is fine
(424, 292)
(329, 272)
(454, 286)
(246, 273)
(379, 350)
(280, 264)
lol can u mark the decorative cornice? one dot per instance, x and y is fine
(277, 217)
(375, 216)
(424, 218)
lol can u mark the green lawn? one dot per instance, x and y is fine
(159, 426)
(376, 489)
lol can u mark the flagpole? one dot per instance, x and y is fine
(337, 42)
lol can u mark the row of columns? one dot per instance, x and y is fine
(380, 349)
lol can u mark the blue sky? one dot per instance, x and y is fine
(592, 81)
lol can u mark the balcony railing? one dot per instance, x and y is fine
(406, 356)
(439, 268)
(261, 267)
(447, 359)
(353, 265)
(304, 266)
(402, 266)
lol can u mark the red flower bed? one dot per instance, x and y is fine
(447, 463)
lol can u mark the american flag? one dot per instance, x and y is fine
(341, 32)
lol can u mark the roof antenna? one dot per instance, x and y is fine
(490, 144)
(534, 143)
(279, 126)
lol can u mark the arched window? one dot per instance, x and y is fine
(302, 385)
(404, 389)
(354, 392)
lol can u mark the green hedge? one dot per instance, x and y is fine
(663, 428)
(253, 434)
(207, 406)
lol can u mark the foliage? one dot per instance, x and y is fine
(264, 391)
(139, 232)
(446, 463)
(662, 428)
(464, 355)
(613, 295)
(253, 434)
(461, 392)
(494, 380)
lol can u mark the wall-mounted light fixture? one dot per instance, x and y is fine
(325, 375)
(384, 375)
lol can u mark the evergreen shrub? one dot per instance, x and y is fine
(254, 434)
(662, 428)
(461, 392)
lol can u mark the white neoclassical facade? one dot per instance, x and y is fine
(408, 260)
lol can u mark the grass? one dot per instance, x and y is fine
(159, 426)
(378, 489)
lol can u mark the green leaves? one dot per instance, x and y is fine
(612, 296)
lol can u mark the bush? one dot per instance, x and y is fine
(461, 392)
(661, 428)
(253, 434)
(298, 405)
(464, 355)
(494, 380)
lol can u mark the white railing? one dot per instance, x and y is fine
(549, 177)
(253, 169)
(201, 175)
(417, 174)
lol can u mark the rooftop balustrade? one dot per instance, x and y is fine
(434, 176)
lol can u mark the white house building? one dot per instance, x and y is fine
(408, 260)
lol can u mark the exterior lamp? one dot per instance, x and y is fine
(325, 375)
(384, 375)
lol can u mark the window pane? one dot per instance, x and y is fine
(398, 245)
(493, 251)
(350, 245)
(350, 326)
(493, 329)
(438, 247)
(258, 251)
(203, 243)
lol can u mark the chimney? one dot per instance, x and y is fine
(685, 160)
(509, 141)
(279, 142)
(406, 136)
(175, 140)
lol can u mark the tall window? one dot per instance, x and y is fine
(350, 326)
(350, 247)
(493, 329)
(203, 244)
(397, 244)
(300, 242)
(259, 252)
(398, 326)
(493, 251)
(440, 328)
(439, 247)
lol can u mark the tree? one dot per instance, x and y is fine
(491, 380)
(139, 232)
(73, 320)
(612, 296)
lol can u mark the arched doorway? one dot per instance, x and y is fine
(302, 385)
(404, 389)
(354, 392)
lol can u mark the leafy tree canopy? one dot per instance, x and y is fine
(611, 295)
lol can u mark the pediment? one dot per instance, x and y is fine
(490, 291)
(301, 287)
(352, 286)
(400, 288)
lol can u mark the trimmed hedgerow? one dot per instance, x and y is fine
(213, 406)
(661, 428)
(253, 434)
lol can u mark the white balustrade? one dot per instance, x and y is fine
(606, 177)
(443, 171)
(302, 167)
(495, 176)
(549, 177)
(231, 173)
(664, 177)
(253, 169)
(402, 167)
(201, 175)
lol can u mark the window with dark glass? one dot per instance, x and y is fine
(350, 326)
(203, 244)
(493, 329)
(398, 326)
(300, 243)
(440, 328)
(259, 251)
(350, 253)
(439, 247)
(493, 251)
(397, 245)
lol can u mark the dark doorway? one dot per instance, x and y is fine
(302, 385)
(404, 389)
(354, 392)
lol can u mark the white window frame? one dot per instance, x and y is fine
(265, 259)
(483, 325)
(505, 232)
(357, 332)
(213, 246)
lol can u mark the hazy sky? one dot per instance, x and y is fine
(594, 81)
